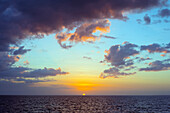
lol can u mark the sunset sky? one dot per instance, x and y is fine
(96, 47)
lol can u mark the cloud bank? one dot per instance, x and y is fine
(9, 71)
(20, 19)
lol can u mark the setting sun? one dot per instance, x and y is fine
(83, 94)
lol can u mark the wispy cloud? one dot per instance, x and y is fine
(114, 72)
(153, 48)
(85, 57)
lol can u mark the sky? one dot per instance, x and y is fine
(96, 47)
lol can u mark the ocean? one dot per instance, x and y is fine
(84, 104)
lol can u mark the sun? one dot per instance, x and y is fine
(83, 94)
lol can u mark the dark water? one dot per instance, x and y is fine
(84, 104)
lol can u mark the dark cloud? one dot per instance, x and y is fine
(167, 46)
(14, 72)
(140, 59)
(44, 72)
(30, 81)
(9, 70)
(4, 46)
(164, 13)
(115, 73)
(21, 51)
(139, 21)
(129, 63)
(166, 21)
(109, 37)
(7, 60)
(157, 66)
(64, 45)
(147, 19)
(152, 48)
(120, 58)
(20, 19)
(117, 54)
(123, 63)
(26, 80)
(130, 68)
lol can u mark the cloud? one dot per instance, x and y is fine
(9, 70)
(44, 72)
(14, 72)
(7, 60)
(118, 54)
(163, 55)
(22, 19)
(26, 80)
(166, 21)
(85, 57)
(130, 68)
(139, 21)
(123, 63)
(164, 13)
(84, 33)
(167, 46)
(157, 66)
(140, 59)
(26, 62)
(152, 48)
(121, 59)
(109, 37)
(115, 73)
(21, 51)
(147, 19)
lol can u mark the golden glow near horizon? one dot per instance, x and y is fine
(83, 94)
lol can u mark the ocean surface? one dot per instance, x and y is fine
(84, 104)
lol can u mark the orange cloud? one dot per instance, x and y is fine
(84, 32)
(13, 47)
(162, 55)
(26, 62)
